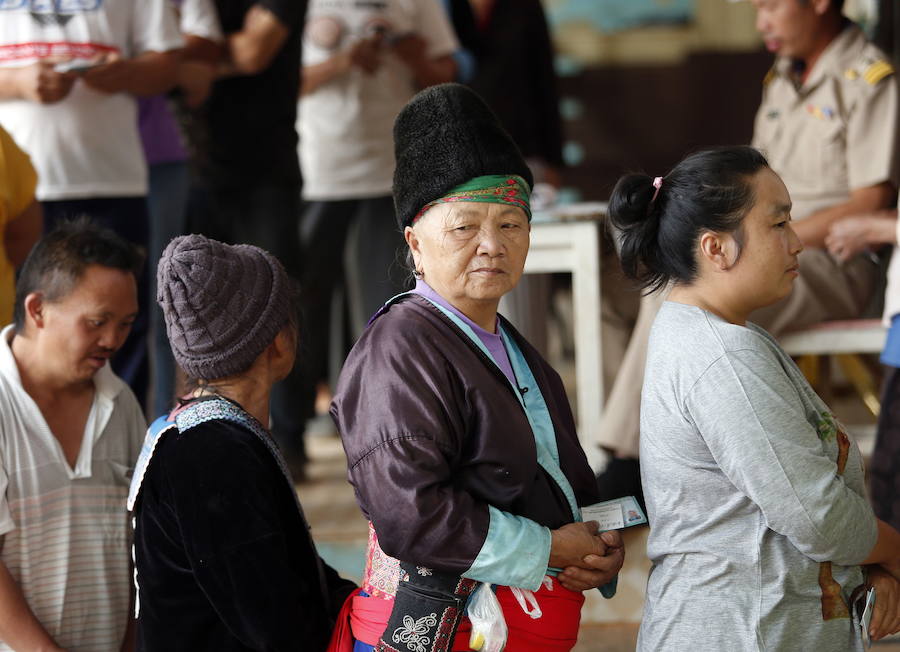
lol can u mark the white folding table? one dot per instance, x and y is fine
(567, 239)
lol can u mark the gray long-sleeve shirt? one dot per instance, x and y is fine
(739, 461)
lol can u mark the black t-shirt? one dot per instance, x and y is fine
(250, 132)
(516, 77)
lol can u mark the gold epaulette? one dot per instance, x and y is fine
(876, 71)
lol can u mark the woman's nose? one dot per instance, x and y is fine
(796, 245)
(489, 242)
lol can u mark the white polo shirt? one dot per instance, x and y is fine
(66, 538)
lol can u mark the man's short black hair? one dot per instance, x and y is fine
(58, 260)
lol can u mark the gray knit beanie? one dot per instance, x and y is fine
(223, 304)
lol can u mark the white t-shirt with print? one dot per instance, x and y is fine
(346, 125)
(65, 531)
(86, 145)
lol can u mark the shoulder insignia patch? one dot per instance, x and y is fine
(877, 71)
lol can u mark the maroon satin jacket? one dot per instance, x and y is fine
(434, 434)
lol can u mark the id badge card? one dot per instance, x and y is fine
(865, 616)
(615, 514)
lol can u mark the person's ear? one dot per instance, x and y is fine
(412, 240)
(34, 309)
(719, 249)
(284, 343)
(820, 7)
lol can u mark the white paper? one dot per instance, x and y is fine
(608, 515)
(866, 618)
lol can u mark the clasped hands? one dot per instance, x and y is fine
(42, 82)
(589, 559)
(366, 53)
(886, 614)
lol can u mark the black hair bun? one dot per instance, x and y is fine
(632, 215)
(631, 199)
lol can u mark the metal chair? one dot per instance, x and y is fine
(845, 341)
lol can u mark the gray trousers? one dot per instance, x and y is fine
(352, 248)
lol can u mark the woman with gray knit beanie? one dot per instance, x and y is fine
(223, 555)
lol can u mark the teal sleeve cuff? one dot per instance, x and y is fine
(515, 552)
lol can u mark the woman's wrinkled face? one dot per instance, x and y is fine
(469, 251)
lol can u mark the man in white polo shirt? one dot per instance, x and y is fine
(70, 432)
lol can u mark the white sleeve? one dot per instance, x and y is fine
(753, 422)
(200, 18)
(154, 27)
(433, 24)
(6, 522)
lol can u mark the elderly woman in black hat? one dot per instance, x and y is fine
(223, 555)
(460, 441)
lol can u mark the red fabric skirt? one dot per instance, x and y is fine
(364, 618)
(555, 631)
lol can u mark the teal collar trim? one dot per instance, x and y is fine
(532, 403)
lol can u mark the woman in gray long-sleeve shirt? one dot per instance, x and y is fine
(760, 526)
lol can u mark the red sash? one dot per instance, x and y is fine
(555, 631)
(342, 637)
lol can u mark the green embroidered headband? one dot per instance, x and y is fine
(490, 189)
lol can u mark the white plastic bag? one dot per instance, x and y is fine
(524, 595)
(488, 624)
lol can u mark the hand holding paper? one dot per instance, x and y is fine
(596, 570)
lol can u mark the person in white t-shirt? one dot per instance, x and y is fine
(362, 62)
(69, 74)
(70, 433)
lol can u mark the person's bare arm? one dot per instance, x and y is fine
(38, 82)
(199, 48)
(150, 73)
(851, 235)
(22, 232)
(251, 50)
(886, 552)
(364, 54)
(198, 68)
(314, 76)
(412, 51)
(813, 230)
(19, 628)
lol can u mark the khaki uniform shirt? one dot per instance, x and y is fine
(835, 132)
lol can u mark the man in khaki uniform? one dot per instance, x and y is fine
(828, 124)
